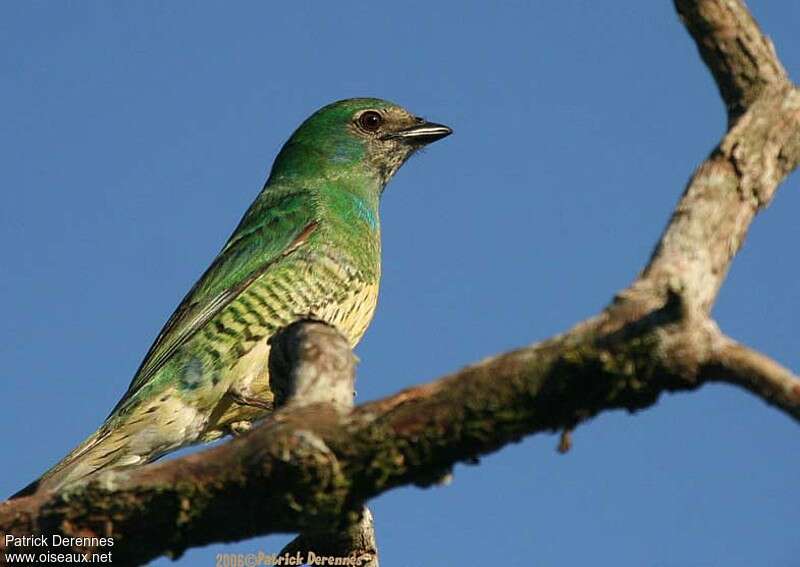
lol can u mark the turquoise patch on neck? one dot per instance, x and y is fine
(364, 211)
(367, 214)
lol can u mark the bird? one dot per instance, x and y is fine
(308, 247)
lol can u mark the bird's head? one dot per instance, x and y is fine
(356, 137)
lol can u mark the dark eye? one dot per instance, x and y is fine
(370, 120)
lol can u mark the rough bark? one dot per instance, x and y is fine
(311, 362)
(311, 467)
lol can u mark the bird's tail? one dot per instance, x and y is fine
(104, 448)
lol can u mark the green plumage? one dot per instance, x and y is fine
(308, 247)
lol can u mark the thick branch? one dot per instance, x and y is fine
(310, 466)
(741, 59)
(356, 540)
(740, 176)
(307, 468)
(311, 362)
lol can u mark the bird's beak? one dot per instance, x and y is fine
(422, 133)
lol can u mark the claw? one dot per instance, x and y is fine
(240, 427)
(252, 402)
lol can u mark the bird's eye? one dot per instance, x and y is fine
(370, 120)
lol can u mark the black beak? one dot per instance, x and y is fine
(421, 133)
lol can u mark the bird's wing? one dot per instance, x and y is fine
(277, 224)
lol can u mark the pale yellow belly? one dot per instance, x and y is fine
(351, 317)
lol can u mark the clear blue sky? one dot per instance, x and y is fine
(134, 135)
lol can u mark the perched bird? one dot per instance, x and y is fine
(308, 247)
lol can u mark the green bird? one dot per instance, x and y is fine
(308, 247)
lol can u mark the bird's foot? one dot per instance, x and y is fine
(240, 427)
(252, 402)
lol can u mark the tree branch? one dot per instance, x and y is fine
(356, 541)
(311, 362)
(310, 466)
(741, 58)
(738, 364)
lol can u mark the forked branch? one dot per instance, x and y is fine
(311, 467)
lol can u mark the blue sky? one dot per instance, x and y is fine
(135, 134)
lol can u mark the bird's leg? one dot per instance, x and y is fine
(238, 428)
(259, 403)
(243, 426)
